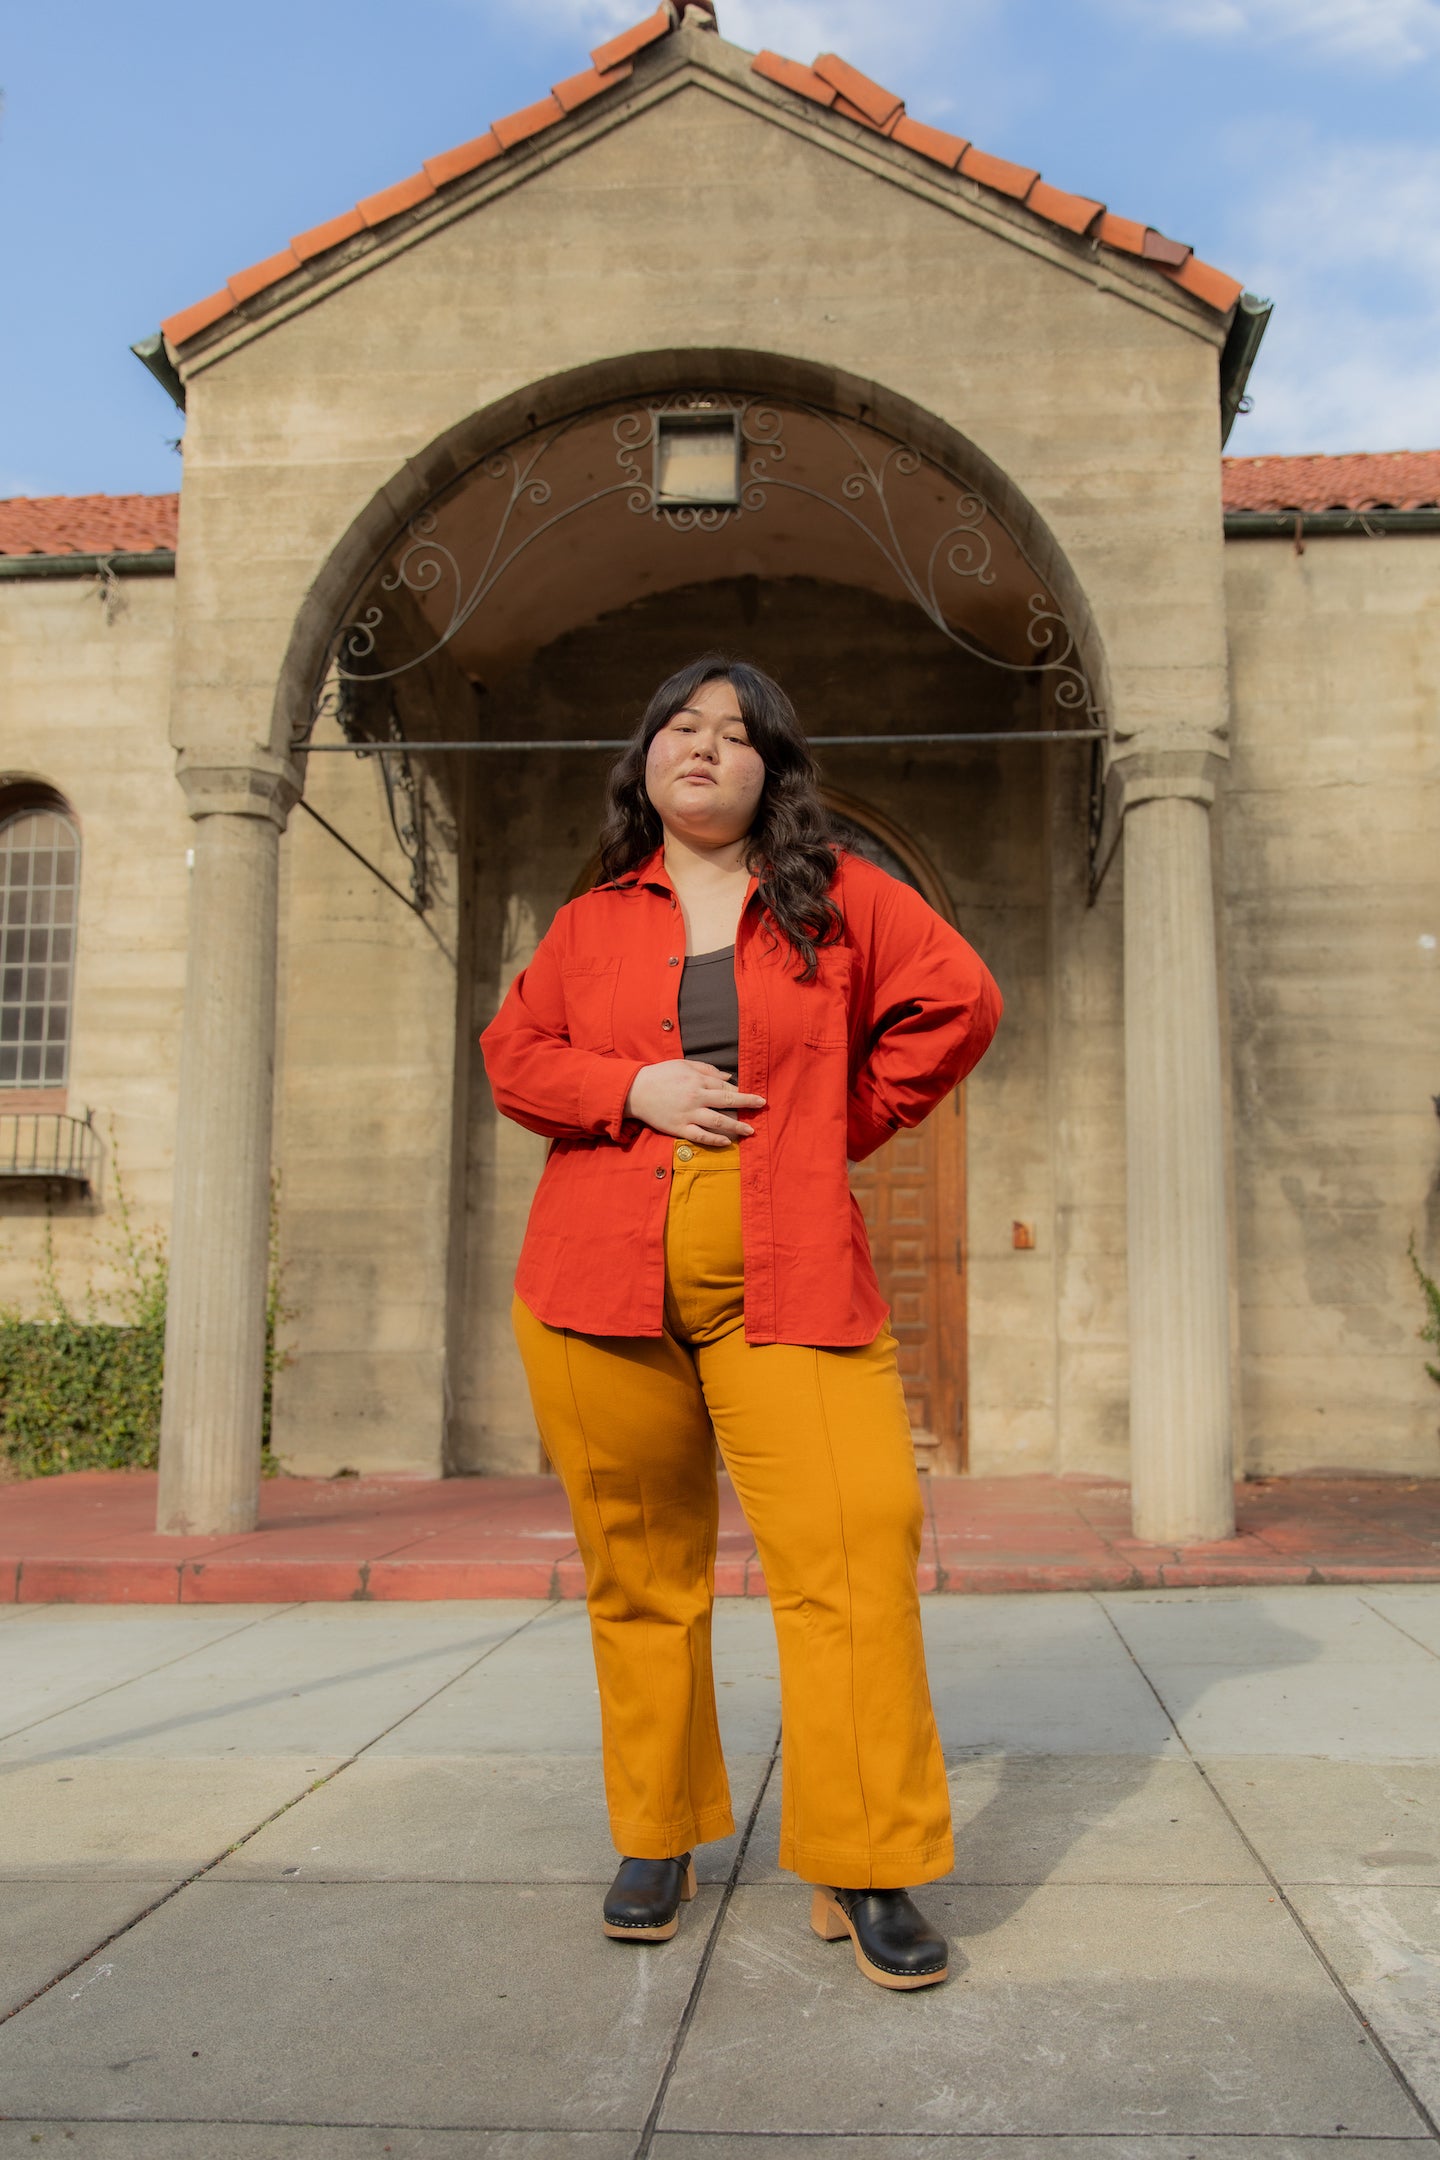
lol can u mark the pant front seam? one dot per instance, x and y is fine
(636, 1616)
(849, 1592)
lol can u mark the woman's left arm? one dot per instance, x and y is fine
(930, 1009)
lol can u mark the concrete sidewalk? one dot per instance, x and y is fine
(90, 1538)
(322, 1883)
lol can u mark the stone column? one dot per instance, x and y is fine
(1181, 1449)
(215, 1325)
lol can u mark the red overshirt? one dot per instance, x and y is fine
(900, 1011)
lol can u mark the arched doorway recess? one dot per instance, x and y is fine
(633, 496)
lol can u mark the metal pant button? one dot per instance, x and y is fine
(684, 1152)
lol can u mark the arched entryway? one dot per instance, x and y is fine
(483, 662)
(957, 719)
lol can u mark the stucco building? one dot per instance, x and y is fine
(711, 348)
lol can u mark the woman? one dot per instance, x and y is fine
(736, 1008)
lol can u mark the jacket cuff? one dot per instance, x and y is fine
(866, 1129)
(603, 1094)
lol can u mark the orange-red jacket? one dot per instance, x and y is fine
(898, 1013)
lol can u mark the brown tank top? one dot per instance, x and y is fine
(710, 1009)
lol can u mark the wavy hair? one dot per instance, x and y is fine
(791, 849)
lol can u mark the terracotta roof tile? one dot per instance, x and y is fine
(1170, 254)
(518, 127)
(1209, 284)
(612, 64)
(879, 107)
(847, 111)
(931, 142)
(259, 275)
(319, 238)
(88, 524)
(192, 320)
(790, 75)
(1075, 212)
(466, 157)
(579, 89)
(832, 83)
(1362, 480)
(1123, 233)
(389, 202)
(998, 173)
(634, 40)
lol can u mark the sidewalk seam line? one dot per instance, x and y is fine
(1306, 1936)
(507, 2129)
(1380, 1615)
(200, 1873)
(692, 2002)
(281, 1605)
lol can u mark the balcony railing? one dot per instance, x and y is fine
(46, 1148)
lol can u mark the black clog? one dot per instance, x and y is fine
(895, 1945)
(643, 1902)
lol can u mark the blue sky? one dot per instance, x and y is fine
(148, 150)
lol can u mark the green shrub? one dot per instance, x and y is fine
(1430, 1291)
(81, 1393)
(78, 1395)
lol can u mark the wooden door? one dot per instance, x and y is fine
(912, 1195)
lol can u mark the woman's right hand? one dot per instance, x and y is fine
(690, 1100)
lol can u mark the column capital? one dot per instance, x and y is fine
(1154, 771)
(263, 785)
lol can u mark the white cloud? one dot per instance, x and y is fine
(1349, 250)
(869, 32)
(1380, 33)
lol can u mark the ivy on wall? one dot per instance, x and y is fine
(1430, 1291)
(81, 1393)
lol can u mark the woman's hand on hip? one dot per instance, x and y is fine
(690, 1100)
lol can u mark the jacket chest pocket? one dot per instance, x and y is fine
(590, 1002)
(825, 1002)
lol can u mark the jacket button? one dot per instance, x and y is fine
(667, 1025)
(660, 1170)
(674, 960)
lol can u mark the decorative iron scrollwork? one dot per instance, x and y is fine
(427, 569)
(446, 596)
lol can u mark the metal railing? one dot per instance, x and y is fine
(47, 1147)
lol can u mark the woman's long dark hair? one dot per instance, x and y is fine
(791, 848)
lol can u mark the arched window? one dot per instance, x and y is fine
(39, 889)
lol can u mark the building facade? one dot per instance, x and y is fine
(713, 349)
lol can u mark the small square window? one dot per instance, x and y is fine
(697, 460)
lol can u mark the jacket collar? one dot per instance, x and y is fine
(652, 872)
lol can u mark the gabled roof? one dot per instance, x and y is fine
(88, 524)
(831, 83)
(1363, 480)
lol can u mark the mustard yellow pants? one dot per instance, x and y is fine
(817, 1444)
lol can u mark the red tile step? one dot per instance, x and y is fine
(88, 1538)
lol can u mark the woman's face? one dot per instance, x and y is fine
(701, 774)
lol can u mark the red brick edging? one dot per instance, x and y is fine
(87, 1539)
